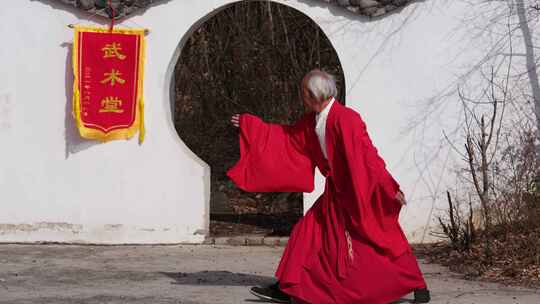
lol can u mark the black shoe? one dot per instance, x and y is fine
(271, 293)
(421, 295)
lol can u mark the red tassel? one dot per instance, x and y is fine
(113, 12)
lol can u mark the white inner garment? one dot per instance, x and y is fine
(320, 126)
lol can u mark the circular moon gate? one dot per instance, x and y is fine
(248, 58)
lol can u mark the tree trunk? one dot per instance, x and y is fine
(532, 73)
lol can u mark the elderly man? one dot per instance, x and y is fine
(349, 247)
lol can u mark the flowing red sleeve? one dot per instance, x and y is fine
(371, 205)
(273, 158)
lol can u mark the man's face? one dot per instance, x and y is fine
(310, 102)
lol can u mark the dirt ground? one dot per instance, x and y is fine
(183, 275)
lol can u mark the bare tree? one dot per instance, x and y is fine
(531, 62)
(501, 34)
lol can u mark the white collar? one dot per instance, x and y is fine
(326, 109)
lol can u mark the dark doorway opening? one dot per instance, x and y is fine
(248, 58)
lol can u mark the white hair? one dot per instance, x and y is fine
(321, 85)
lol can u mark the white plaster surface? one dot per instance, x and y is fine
(55, 186)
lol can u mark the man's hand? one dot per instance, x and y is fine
(235, 120)
(401, 198)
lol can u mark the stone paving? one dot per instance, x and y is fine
(183, 274)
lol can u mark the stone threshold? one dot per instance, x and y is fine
(247, 240)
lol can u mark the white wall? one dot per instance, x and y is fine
(57, 187)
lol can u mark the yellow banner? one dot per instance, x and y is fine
(108, 69)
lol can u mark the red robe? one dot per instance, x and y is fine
(349, 247)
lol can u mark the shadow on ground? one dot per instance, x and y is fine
(221, 278)
(403, 301)
(215, 278)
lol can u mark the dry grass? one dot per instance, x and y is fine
(513, 259)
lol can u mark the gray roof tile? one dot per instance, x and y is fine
(123, 8)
